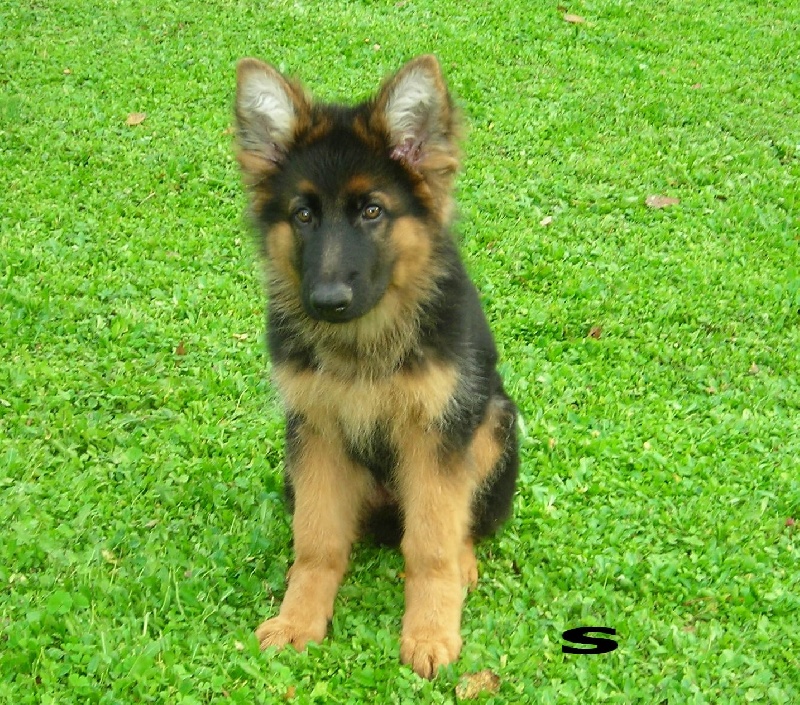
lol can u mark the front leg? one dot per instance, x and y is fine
(329, 491)
(436, 498)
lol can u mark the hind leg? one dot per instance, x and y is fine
(329, 492)
(494, 453)
(494, 447)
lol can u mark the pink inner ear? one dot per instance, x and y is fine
(409, 151)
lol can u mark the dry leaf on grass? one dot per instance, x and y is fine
(573, 19)
(135, 119)
(656, 201)
(472, 685)
(544, 222)
(181, 349)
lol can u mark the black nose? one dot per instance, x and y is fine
(331, 298)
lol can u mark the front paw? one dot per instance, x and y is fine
(426, 651)
(280, 631)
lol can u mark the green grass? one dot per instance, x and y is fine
(142, 532)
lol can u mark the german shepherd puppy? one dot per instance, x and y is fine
(397, 421)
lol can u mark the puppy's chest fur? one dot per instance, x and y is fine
(374, 417)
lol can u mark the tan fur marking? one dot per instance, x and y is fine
(330, 493)
(365, 132)
(412, 245)
(430, 390)
(485, 447)
(305, 186)
(254, 167)
(326, 400)
(319, 126)
(387, 200)
(280, 252)
(360, 183)
(438, 185)
(436, 506)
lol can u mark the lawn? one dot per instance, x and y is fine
(653, 351)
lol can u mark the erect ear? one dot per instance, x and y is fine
(268, 108)
(418, 115)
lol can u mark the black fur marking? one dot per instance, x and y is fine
(384, 525)
(377, 454)
(292, 436)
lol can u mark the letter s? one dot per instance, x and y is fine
(578, 636)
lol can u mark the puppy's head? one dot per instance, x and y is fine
(349, 200)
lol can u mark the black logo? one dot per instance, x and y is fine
(578, 636)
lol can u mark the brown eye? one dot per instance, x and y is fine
(371, 212)
(303, 215)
